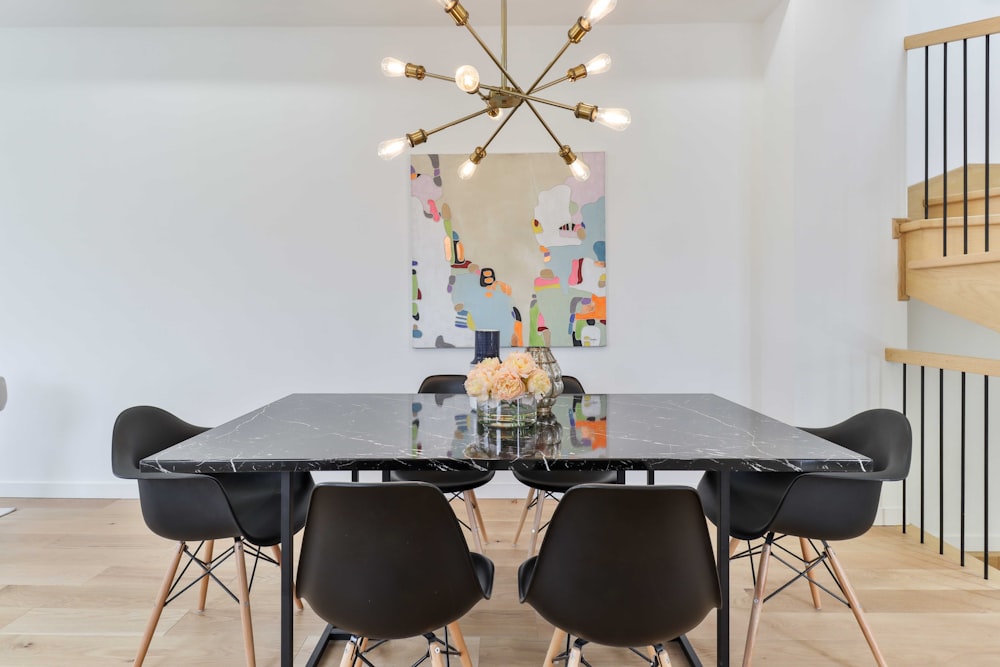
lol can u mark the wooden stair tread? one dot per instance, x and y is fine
(958, 197)
(969, 259)
(914, 224)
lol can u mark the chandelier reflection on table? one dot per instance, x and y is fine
(509, 95)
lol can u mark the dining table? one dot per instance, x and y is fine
(390, 431)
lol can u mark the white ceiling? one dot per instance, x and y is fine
(362, 13)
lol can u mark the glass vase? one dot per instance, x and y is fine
(517, 412)
(547, 362)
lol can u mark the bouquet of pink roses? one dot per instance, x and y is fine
(517, 374)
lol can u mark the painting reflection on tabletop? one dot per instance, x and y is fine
(578, 423)
(519, 248)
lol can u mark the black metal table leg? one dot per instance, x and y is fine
(287, 567)
(722, 562)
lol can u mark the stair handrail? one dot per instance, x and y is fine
(955, 33)
(948, 362)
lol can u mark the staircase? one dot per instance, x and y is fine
(960, 272)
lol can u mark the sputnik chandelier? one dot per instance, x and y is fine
(509, 95)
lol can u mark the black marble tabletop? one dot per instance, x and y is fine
(438, 431)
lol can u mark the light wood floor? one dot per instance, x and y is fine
(77, 578)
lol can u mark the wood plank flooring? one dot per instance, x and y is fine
(77, 580)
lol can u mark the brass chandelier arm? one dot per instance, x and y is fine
(500, 126)
(550, 66)
(544, 124)
(550, 84)
(503, 70)
(456, 122)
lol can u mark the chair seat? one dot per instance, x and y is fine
(449, 481)
(561, 481)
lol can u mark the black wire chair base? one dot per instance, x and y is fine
(652, 662)
(801, 566)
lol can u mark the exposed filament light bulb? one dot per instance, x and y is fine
(616, 119)
(393, 67)
(598, 64)
(495, 113)
(468, 168)
(391, 148)
(597, 10)
(446, 4)
(467, 78)
(579, 169)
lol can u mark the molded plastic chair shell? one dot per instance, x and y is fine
(829, 506)
(199, 507)
(388, 561)
(624, 565)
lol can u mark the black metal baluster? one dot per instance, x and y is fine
(965, 147)
(927, 128)
(986, 212)
(922, 458)
(941, 461)
(986, 477)
(904, 479)
(961, 500)
(944, 160)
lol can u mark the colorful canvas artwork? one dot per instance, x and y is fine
(519, 247)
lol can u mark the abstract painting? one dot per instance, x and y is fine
(519, 247)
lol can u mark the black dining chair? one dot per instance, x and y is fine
(389, 561)
(457, 484)
(814, 506)
(544, 484)
(244, 507)
(623, 566)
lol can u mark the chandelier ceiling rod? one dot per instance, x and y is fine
(509, 95)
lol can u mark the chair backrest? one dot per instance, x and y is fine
(142, 431)
(386, 560)
(571, 385)
(882, 435)
(625, 565)
(442, 384)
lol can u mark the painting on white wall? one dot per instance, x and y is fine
(519, 247)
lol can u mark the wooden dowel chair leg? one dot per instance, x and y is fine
(459, 639)
(434, 649)
(350, 652)
(758, 600)
(203, 591)
(558, 639)
(661, 654)
(807, 555)
(524, 515)
(852, 598)
(734, 545)
(575, 656)
(276, 553)
(473, 526)
(161, 599)
(479, 515)
(244, 594)
(536, 526)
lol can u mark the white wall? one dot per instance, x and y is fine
(195, 218)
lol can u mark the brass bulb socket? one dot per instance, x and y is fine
(416, 138)
(578, 72)
(567, 154)
(477, 155)
(586, 111)
(459, 13)
(579, 29)
(415, 71)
